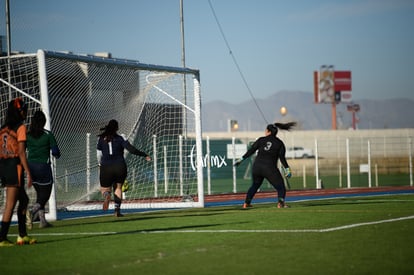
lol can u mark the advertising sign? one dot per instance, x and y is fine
(332, 86)
(342, 81)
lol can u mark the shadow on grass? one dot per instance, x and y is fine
(81, 236)
(182, 213)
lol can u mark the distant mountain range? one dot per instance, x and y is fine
(373, 114)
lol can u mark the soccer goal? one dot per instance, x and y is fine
(158, 110)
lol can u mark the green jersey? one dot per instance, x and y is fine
(39, 148)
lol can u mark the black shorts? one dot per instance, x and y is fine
(41, 173)
(11, 172)
(112, 174)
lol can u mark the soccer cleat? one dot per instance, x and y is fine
(5, 243)
(247, 205)
(118, 213)
(107, 196)
(29, 219)
(45, 225)
(25, 240)
(282, 205)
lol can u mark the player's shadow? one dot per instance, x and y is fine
(137, 217)
(178, 229)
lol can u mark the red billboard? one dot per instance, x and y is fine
(342, 81)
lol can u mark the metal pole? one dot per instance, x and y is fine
(369, 164)
(88, 164)
(165, 170)
(180, 147)
(317, 165)
(233, 148)
(410, 145)
(183, 65)
(182, 34)
(304, 176)
(8, 46)
(348, 164)
(208, 166)
(334, 127)
(154, 148)
(199, 141)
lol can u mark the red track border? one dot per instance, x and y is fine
(309, 193)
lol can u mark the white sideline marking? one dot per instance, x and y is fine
(231, 230)
(283, 230)
(365, 223)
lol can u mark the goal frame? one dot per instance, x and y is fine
(41, 56)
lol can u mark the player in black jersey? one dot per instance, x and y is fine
(269, 150)
(113, 168)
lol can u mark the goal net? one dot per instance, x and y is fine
(158, 110)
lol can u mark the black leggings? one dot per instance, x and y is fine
(43, 194)
(272, 174)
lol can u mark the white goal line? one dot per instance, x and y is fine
(229, 230)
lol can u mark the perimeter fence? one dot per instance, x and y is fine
(341, 159)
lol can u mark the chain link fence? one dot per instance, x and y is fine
(341, 159)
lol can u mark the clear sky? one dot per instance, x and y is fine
(276, 43)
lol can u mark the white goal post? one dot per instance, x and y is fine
(158, 110)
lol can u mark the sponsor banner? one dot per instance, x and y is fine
(346, 96)
(332, 86)
(342, 81)
(238, 152)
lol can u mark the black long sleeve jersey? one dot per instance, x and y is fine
(270, 150)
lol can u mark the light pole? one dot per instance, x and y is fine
(354, 108)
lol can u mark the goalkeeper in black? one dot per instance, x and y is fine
(269, 150)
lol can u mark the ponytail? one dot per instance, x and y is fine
(285, 126)
(273, 128)
(110, 130)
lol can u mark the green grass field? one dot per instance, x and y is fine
(360, 235)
